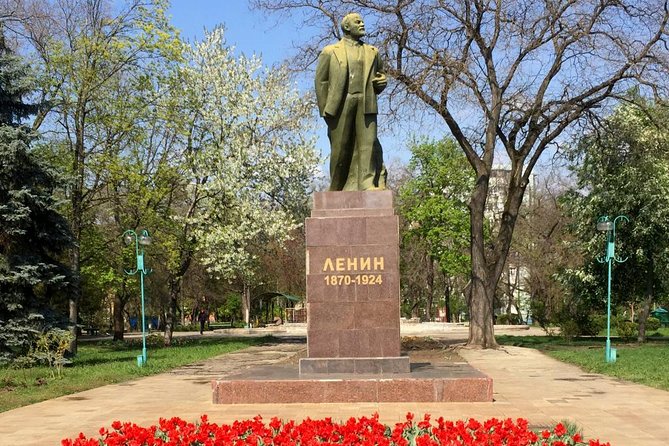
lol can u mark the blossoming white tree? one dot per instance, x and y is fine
(255, 156)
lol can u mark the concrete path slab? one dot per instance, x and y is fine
(532, 385)
(527, 384)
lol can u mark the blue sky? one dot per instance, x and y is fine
(249, 31)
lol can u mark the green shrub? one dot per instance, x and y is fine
(540, 313)
(156, 339)
(50, 349)
(627, 330)
(617, 319)
(18, 335)
(584, 325)
(502, 319)
(652, 324)
(588, 325)
(508, 319)
(598, 323)
(569, 329)
(188, 327)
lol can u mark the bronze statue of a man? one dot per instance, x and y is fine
(349, 75)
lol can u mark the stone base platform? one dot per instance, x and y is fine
(358, 366)
(281, 383)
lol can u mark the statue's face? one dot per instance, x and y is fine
(356, 26)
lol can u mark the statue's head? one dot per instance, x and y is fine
(352, 25)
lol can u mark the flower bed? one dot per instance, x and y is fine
(360, 431)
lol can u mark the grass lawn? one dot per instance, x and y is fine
(645, 364)
(105, 362)
(659, 333)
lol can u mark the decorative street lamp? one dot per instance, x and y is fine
(141, 240)
(608, 226)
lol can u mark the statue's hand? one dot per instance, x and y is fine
(379, 82)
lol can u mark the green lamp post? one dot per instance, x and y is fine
(141, 240)
(604, 224)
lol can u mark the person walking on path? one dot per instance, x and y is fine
(202, 317)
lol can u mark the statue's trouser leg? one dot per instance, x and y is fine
(341, 132)
(364, 158)
(361, 173)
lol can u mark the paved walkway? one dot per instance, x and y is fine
(526, 384)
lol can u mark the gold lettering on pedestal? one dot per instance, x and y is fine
(354, 266)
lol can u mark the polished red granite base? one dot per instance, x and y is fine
(425, 383)
(353, 284)
(353, 328)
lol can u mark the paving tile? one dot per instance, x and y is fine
(622, 413)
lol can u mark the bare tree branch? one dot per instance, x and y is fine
(518, 74)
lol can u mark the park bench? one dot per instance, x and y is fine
(91, 331)
(216, 325)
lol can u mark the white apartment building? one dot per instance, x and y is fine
(511, 295)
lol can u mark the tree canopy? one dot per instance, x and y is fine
(433, 201)
(622, 169)
(206, 148)
(33, 235)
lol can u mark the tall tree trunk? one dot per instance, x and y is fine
(512, 285)
(643, 317)
(246, 304)
(447, 301)
(414, 309)
(508, 291)
(429, 263)
(172, 308)
(77, 224)
(75, 263)
(175, 283)
(73, 318)
(480, 293)
(516, 295)
(119, 306)
(632, 310)
(487, 268)
(647, 301)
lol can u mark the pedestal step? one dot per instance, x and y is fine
(425, 383)
(355, 366)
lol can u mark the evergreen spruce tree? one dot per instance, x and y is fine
(33, 235)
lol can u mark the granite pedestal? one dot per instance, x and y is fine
(353, 285)
(353, 319)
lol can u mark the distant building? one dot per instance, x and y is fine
(497, 187)
(511, 295)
